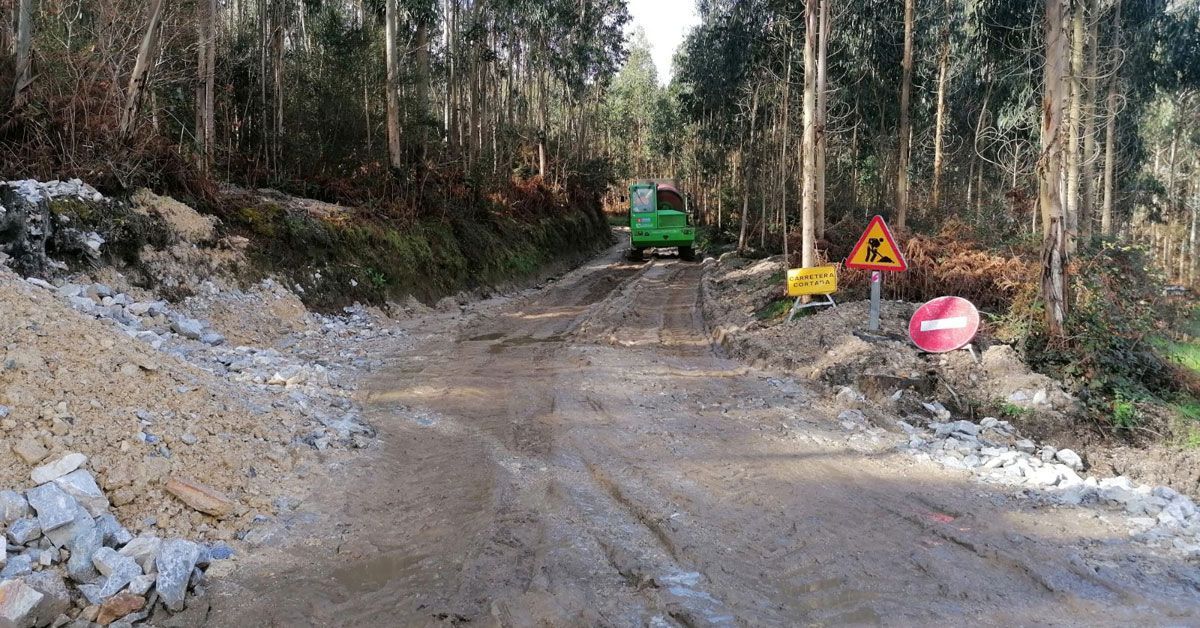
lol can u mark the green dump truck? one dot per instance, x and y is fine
(658, 218)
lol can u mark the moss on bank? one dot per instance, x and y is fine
(339, 261)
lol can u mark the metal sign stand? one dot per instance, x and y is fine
(876, 283)
(797, 305)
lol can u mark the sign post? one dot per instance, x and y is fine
(804, 282)
(876, 285)
(876, 251)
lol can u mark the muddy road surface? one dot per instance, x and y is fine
(582, 456)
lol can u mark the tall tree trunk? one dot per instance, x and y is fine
(8, 21)
(748, 148)
(1054, 248)
(141, 69)
(205, 81)
(940, 116)
(905, 132)
(1087, 176)
(808, 253)
(1073, 126)
(783, 150)
(277, 74)
(448, 46)
(391, 22)
(821, 131)
(421, 72)
(1193, 243)
(1110, 129)
(1171, 159)
(22, 68)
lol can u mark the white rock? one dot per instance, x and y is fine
(1164, 492)
(175, 562)
(82, 486)
(141, 584)
(18, 604)
(1069, 458)
(938, 411)
(143, 549)
(58, 468)
(188, 327)
(55, 508)
(1044, 476)
(24, 530)
(63, 535)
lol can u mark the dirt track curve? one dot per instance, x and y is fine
(583, 456)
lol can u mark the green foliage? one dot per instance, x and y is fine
(1012, 411)
(1114, 315)
(774, 310)
(1125, 414)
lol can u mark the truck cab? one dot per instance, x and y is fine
(658, 218)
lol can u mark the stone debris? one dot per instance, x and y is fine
(111, 569)
(30, 451)
(58, 468)
(119, 606)
(54, 507)
(82, 486)
(56, 599)
(12, 506)
(243, 388)
(83, 548)
(18, 604)
(142, 550)
(175, 562)
(994, 452)
(24, 530)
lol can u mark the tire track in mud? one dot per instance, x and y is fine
(586, 457)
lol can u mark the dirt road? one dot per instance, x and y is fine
(582, 456)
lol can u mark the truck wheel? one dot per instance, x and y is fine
(635, 255)
(687, 253)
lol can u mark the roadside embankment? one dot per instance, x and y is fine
(983, 412)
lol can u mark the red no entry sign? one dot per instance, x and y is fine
(944, 324)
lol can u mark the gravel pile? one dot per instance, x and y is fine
(199, 419)
(68, 560)
(993, 451)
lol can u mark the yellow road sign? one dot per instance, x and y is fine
(809, 281)
(877, 250)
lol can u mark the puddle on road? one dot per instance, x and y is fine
(377, 573)
(513, 341)
(522, 341)
(834, 596)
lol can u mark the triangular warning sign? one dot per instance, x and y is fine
(876, 249)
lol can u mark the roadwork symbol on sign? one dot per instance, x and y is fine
(877, 250)
(809, 281)
(944, 324)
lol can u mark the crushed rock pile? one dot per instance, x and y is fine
(202, 417)
(993, 451)
(150, 394)
(68, 560)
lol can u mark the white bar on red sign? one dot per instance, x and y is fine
(954, 322)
